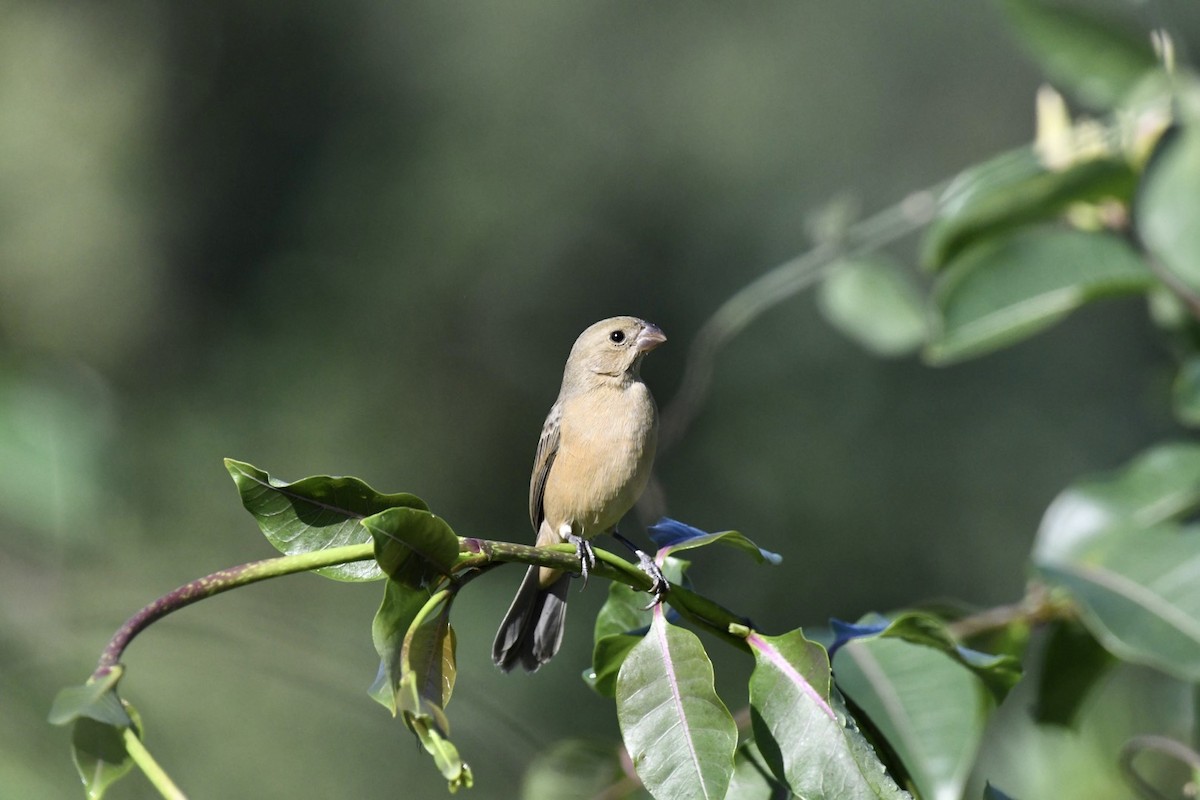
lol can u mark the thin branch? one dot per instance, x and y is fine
(223, 581)
(774, 287)
(1038, 606)
(697, 609)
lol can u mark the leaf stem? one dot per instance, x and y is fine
(151, 768)
(223, 581)
(1037, 606)
(777, 285)
(435, 600)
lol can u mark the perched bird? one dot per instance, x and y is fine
(593, 462)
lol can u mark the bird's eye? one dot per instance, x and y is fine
(616, 337)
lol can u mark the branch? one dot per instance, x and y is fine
(697, 609)
(1038, 606)
(223, 581)
(776, 285)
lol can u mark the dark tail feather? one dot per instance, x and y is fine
(532, 629)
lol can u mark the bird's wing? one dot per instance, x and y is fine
(546, 450)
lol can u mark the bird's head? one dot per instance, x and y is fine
(612, 347)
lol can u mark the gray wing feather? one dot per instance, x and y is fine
(546, 450)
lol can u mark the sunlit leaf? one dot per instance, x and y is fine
(679, 734)
(801, 727)
(412, 545)
(672, 536)
(1168, 205)
(573, 770)
(1161, 484)
(1139, 592)
(1083, 53)
(388, 630)
(931, 709)
(1007, 289)
(1015, 190)
(872, 302)
(315, 513)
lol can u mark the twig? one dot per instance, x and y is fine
(777, 285)
(223, 581)
(1037, 606)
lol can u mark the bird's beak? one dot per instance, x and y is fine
(650, 338)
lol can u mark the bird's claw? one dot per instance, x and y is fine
(587, 556)
(659, 585)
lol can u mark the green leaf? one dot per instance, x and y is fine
(1092, 58)
(624, 611)
(802, 728)
(315, 513)
(1005, 290)
(429, 653)
(1161, 484)
(1168, 205)
(998, 673)
(1032, 761)
(872, 302)
(1186, 393)
(98, 719)
(1139, 593)
(1167, 310)
(99, 753)
(396, 613)
(412, 546)
(1015, 190)
(429, 724)
(752, 779)
(1072, 663)
(931, 709)
(621, 623)
(732, 538)
(416, 678)
(97, 699)
(573, 770)
(679, 734)
(608, 654)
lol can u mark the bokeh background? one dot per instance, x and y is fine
(359, 238)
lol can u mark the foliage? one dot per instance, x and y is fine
(899, 704)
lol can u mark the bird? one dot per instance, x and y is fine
(593, 461)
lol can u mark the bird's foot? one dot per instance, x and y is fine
(587, 556)
(659, 585)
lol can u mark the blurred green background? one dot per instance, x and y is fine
(359, 238)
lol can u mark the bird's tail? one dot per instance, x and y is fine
(532, 629)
